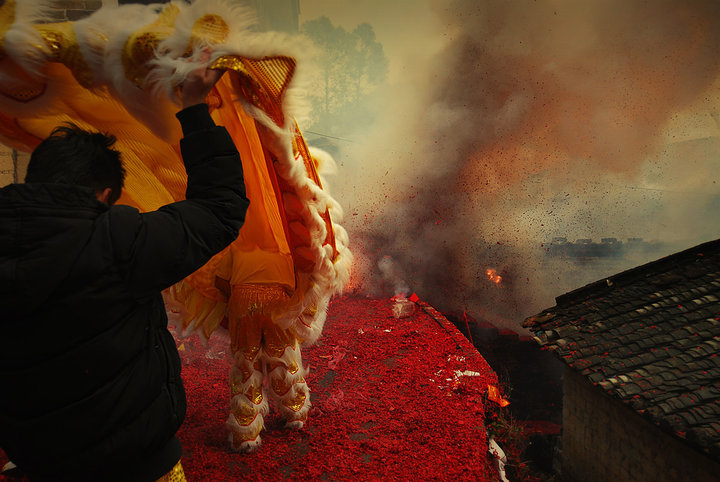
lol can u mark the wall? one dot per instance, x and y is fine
(75, 9)
(13, 165)
(603, 440)
(7, 166)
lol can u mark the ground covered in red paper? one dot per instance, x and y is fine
(393, 399)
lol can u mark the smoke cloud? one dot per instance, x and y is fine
(529, 120)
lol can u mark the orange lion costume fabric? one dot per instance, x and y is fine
(118, 71)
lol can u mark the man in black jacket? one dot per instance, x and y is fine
(90, 385)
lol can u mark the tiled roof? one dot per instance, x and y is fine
(650, 337)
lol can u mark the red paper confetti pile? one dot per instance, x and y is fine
(393, 399)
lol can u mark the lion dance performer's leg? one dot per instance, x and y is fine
(286, 374)
(248, 405)
(260, 348)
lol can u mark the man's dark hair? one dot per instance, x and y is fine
(71, 155)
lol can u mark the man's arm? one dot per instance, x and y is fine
(159, 248)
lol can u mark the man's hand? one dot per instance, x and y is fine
(198, 85)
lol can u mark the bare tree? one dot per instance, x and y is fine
(351, 66)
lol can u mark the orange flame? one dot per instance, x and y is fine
(493, 276)
(495, 395)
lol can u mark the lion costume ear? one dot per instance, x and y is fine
(121, 76)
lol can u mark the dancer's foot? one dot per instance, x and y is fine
(247, 446)
(294, 424)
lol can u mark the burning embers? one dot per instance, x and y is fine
(493, 276)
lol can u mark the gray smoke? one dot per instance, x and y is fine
(538, 119)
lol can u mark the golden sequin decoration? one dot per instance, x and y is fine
(140, 46)
(295, 404)
(245, 372)
(235, 388)
(277, 341)
(64, 48)
(209, 29)
(254, 394)
(251, 353)
(230, 62)
(263, 82)
(258, 300)
(279, 386)
(291, 368)
(245, 415)
(310, 311)
(176, 474)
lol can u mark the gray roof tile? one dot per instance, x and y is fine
(651, 338)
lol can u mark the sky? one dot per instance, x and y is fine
(505, 124)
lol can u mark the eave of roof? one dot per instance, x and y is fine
(650, 337)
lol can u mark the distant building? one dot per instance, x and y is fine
(585, 249)
(641, 389)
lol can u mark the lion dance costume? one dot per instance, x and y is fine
(117, 71)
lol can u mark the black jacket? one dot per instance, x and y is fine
(90, 385)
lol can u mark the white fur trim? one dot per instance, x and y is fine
(236, 434)
(22, 42)
(290, 357)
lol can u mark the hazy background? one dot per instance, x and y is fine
(501, 125)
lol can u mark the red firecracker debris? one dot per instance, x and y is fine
(393, 399)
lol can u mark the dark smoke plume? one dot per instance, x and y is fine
(539, 119)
